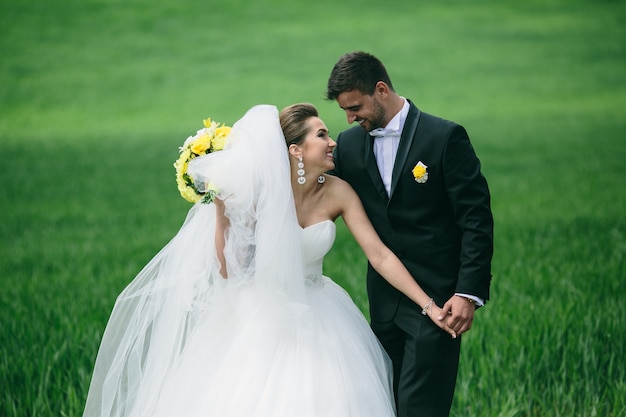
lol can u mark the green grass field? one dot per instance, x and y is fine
(96, 96)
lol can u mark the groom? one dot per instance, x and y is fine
(420, 182)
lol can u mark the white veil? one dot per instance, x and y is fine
(154, 316)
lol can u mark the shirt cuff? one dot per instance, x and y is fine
(477, 300)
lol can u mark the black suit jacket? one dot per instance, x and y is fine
(442, 230)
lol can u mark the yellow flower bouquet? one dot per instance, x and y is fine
(209, 139)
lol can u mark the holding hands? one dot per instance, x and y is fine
(435, 313)
(455, 317)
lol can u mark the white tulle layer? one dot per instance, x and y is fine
(246, 359)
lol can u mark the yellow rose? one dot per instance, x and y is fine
(189, 194)
(222, 131)
(178, 164)
(180, 182)
(184, 156)
(420, 173)
(200, 145)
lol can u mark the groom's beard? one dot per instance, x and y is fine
(378, 117)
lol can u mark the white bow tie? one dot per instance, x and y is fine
(384, 132)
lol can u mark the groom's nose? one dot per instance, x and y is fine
(351, 116)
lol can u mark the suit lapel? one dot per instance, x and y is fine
(372, 167)
(408, 136)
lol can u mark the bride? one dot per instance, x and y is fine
(233, 317)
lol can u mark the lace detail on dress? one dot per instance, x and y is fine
(313, 281)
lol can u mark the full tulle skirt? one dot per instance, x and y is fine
(247, 358)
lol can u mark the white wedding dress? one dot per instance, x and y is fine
(277, 338)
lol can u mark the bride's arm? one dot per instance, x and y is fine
(221, 224)
(384, 261)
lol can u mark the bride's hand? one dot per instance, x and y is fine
(434, 313)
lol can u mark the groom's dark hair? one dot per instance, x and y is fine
(356, 71)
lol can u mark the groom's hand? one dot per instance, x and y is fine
(458, 313)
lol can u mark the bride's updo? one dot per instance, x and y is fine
(293, 121)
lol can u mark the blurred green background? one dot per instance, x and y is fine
(97, 95)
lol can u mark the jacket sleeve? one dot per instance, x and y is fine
(471, 202)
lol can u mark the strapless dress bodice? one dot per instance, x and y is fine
(317, 239)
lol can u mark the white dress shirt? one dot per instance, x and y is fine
(386, 142)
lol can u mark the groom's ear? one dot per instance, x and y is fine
(381, 90)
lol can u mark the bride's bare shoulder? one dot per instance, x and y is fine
(339, 188)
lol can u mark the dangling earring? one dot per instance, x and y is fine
(301, 179)
(321, 179)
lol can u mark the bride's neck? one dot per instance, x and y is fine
(303, 191)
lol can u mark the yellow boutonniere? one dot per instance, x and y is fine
(420, 173)
(211, 138)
